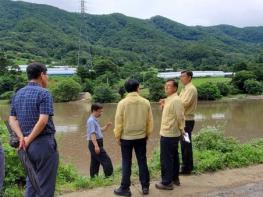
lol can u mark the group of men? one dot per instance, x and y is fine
(31, 119)
(133, 126)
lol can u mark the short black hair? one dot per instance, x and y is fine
(96, 107)
(131, 85)
(34, 70)
(188, 72)
(175, 83)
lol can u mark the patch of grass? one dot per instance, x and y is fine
(214, 151)
(4, 102)
(201, 80)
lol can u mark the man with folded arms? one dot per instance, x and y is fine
(172, 128)
(133, 125)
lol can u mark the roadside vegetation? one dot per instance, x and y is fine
(212, 151)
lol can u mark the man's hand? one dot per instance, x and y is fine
(21, 143)
(109, 124)
(97, 150)
(118, 142)
(27, 142)
(161, 102)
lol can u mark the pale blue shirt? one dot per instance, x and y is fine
(93, 127)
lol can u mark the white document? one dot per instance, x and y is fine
(186, 137)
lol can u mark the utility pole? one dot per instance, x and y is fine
(82, 12)
(83, 32)
(83, 8)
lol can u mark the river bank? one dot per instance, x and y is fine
(241, 182)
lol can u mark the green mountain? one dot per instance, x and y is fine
(45, 33)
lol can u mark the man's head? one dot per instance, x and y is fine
(131, 85)
(171, 87)
(186, 77)
(96, 109)
(38, 73)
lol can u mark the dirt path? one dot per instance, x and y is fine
(243, 182)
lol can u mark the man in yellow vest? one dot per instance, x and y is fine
(172, 128)
(133, 126)
(188, 96)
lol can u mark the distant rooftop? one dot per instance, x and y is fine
(56, 70)
(169, 75)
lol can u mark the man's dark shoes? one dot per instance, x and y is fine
(164, 187)
(145, 190)
(177, 181)
(122, 192)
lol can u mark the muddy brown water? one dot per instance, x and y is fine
(241, 119)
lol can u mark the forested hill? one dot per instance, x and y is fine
(40, 32)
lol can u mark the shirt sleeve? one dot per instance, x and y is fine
(91, 127)
(149, 126)
(13, 110)
(46, 104)
(179, 111)
(189, 97)
(118, 122)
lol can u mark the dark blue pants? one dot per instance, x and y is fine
(44, 156)
(2, 167)
(186, 148)
(140, 150)
(169, 159)
(100, 159)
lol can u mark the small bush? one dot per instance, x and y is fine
(208, 161)
(214, 140)
(66, 90)
(253, 87)
(240, 77)
(105, 94)
(223, 88)
(233, 89)
(156, 89)
(7, 95)
(88, 86)
(208, 91)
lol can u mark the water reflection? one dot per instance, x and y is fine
(240, 119)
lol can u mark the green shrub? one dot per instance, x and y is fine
(208, 91)
(223, 88)
(88, 86)
(233, 89)
(14, 172)
(11, 83)
(66, 90)
(156, 88)
(7, 95)
(214, 140)
(208, 161)
(253, 87)
(240, 77)
(104, 94)
(6, 84)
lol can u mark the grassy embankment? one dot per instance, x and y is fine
(212, 151)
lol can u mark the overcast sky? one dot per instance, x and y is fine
(189, 12)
